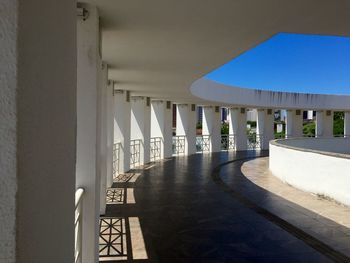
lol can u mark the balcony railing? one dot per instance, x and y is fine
(203, 143)
(116, 154)
(78, 224)
(228, 142)
(179, 145)
(156, 148)
(254, 141)
(135, 150)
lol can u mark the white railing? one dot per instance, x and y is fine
(228, 142)
(203, 143)
(179, 145)
(254, 141)
(116, 153)
(135, 151)
(156, 148)
(78, 224)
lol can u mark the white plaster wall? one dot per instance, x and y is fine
(238, 127)
(324, 124)
(8, 117)
(213, 91)
(312, 172)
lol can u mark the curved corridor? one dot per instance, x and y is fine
(200, 208)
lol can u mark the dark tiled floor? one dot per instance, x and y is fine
(192, 211)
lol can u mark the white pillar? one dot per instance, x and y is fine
(310, 114)
(186, 126)
(122, 116)
(38, 130)
(87, 97)
(212, 126)
(141, 125)
(238, 127)
(294, 123)
(161, 125)
(347, 124)
(264, 127)
(324, 123)
(110, 132)
(102, 134)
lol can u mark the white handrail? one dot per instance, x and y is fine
(78, 224)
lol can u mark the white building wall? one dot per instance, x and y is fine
(347, 124)
(294, 123)
(265, 122)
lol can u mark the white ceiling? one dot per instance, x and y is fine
(159, 48)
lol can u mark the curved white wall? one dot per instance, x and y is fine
(318, 166)
(213, 91)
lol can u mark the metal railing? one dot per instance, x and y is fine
(203, 143)
(78, 224)
(254, 141)
(228, 142)
(179, 144)
(135, 150)
(156, 148)
(116, 154)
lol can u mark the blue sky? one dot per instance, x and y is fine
(293, 63)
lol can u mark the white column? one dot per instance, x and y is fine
(310, 114)
(347, 124)
(238, 127)
(212, 126)
(87, 98)
(110, 132)
(264, 127)
(324, 123)
(186, 125)
(294, 123)
(141, 125)
(102, 133)
(161, 125)
(38, 89)
(122, 116)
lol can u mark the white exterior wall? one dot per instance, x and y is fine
(315, 172)
(294, 124)
(122, 118)
(161, 125)
(324, 124)
(212, 126)
(110, 133)
(238, 127)
(186, 125)
(140, 126)
(87, 137)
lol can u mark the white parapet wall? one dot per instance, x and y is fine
(317, 165)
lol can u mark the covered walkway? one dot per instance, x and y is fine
(200, 208)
